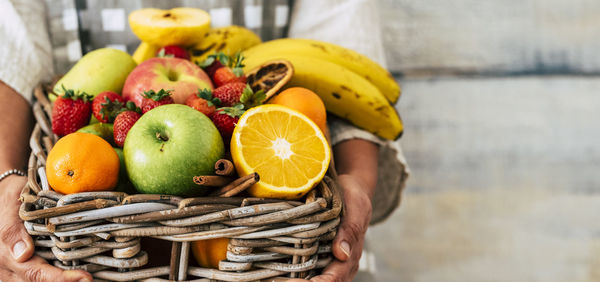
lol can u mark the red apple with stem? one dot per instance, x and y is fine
(181, 76)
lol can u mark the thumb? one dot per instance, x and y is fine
(355, 221)
(15, 238)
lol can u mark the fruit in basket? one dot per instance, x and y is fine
(101, 70)
(123, 185)
(210, 252)
(177, 26)
(230, 94)
(344, 57)
(270, 76)
(107, 105)
(144, 52)
(82, 162)
(286, 148)
(154, 99)
(71, 111)
(170, 145)
(345, 93)
(225, 119)
(124, 121)
(103, 130)
(227, 75)
(173, 51)
(228, 39)
(304, 101)
(224, 69)
(181, 76)
(203, 101)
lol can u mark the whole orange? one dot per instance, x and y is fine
(82, 162)
(209, 252)
(304, 101)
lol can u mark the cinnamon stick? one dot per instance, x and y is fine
(212, 180)
(224, 167)
(237, 186)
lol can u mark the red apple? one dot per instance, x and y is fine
(181, 76)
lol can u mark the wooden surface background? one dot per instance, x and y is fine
(500, 103)
(491, 37)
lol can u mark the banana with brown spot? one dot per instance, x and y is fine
(228, 39)
(345, 93)
(354, 61)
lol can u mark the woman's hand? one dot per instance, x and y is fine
(16, 250)
(348, 243)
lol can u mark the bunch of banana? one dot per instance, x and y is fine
(352, 60)
(228, 39)
(342, 78)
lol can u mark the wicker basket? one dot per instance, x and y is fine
(100, 232)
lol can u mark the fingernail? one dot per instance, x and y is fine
(345, 248)
(19, 249)
(84, 280)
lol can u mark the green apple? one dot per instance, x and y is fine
(124, 185)
(103, 69)
(168, 146)
(104, 130)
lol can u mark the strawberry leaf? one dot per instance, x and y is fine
(238, 72)
(238, 60)
(130, 106)
(206, 94)
(252, 99)
(236, 111)
(157, 96)
(71, 94)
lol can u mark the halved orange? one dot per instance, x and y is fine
(287, 150)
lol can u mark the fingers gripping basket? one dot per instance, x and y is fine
(100, 232)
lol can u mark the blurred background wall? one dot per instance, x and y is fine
(501, 107)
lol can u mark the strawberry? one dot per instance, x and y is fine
(71, 112)
(214, 62)
(236, 92)
(203, 101)
(225, 119)
(154, 99)
(224, 69)
(230, 94)
(107, 105)
(124, 121)
(173, 51)
(227, 75)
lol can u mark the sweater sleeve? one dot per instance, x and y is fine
(25, 51)
(354, 24)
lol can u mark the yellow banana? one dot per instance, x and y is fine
(229, 40)
(347, 58)
(144, 52)
(345, 93)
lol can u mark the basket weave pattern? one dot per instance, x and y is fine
(100, 232)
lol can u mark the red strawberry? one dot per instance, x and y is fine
(229, 94)
(173, 51)
(107, 105)
(227, 75)
(71, 112)
(237, 92)
(214, 64)
(124, 121)
(225, 119)
(154, 99)
(203, 101)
